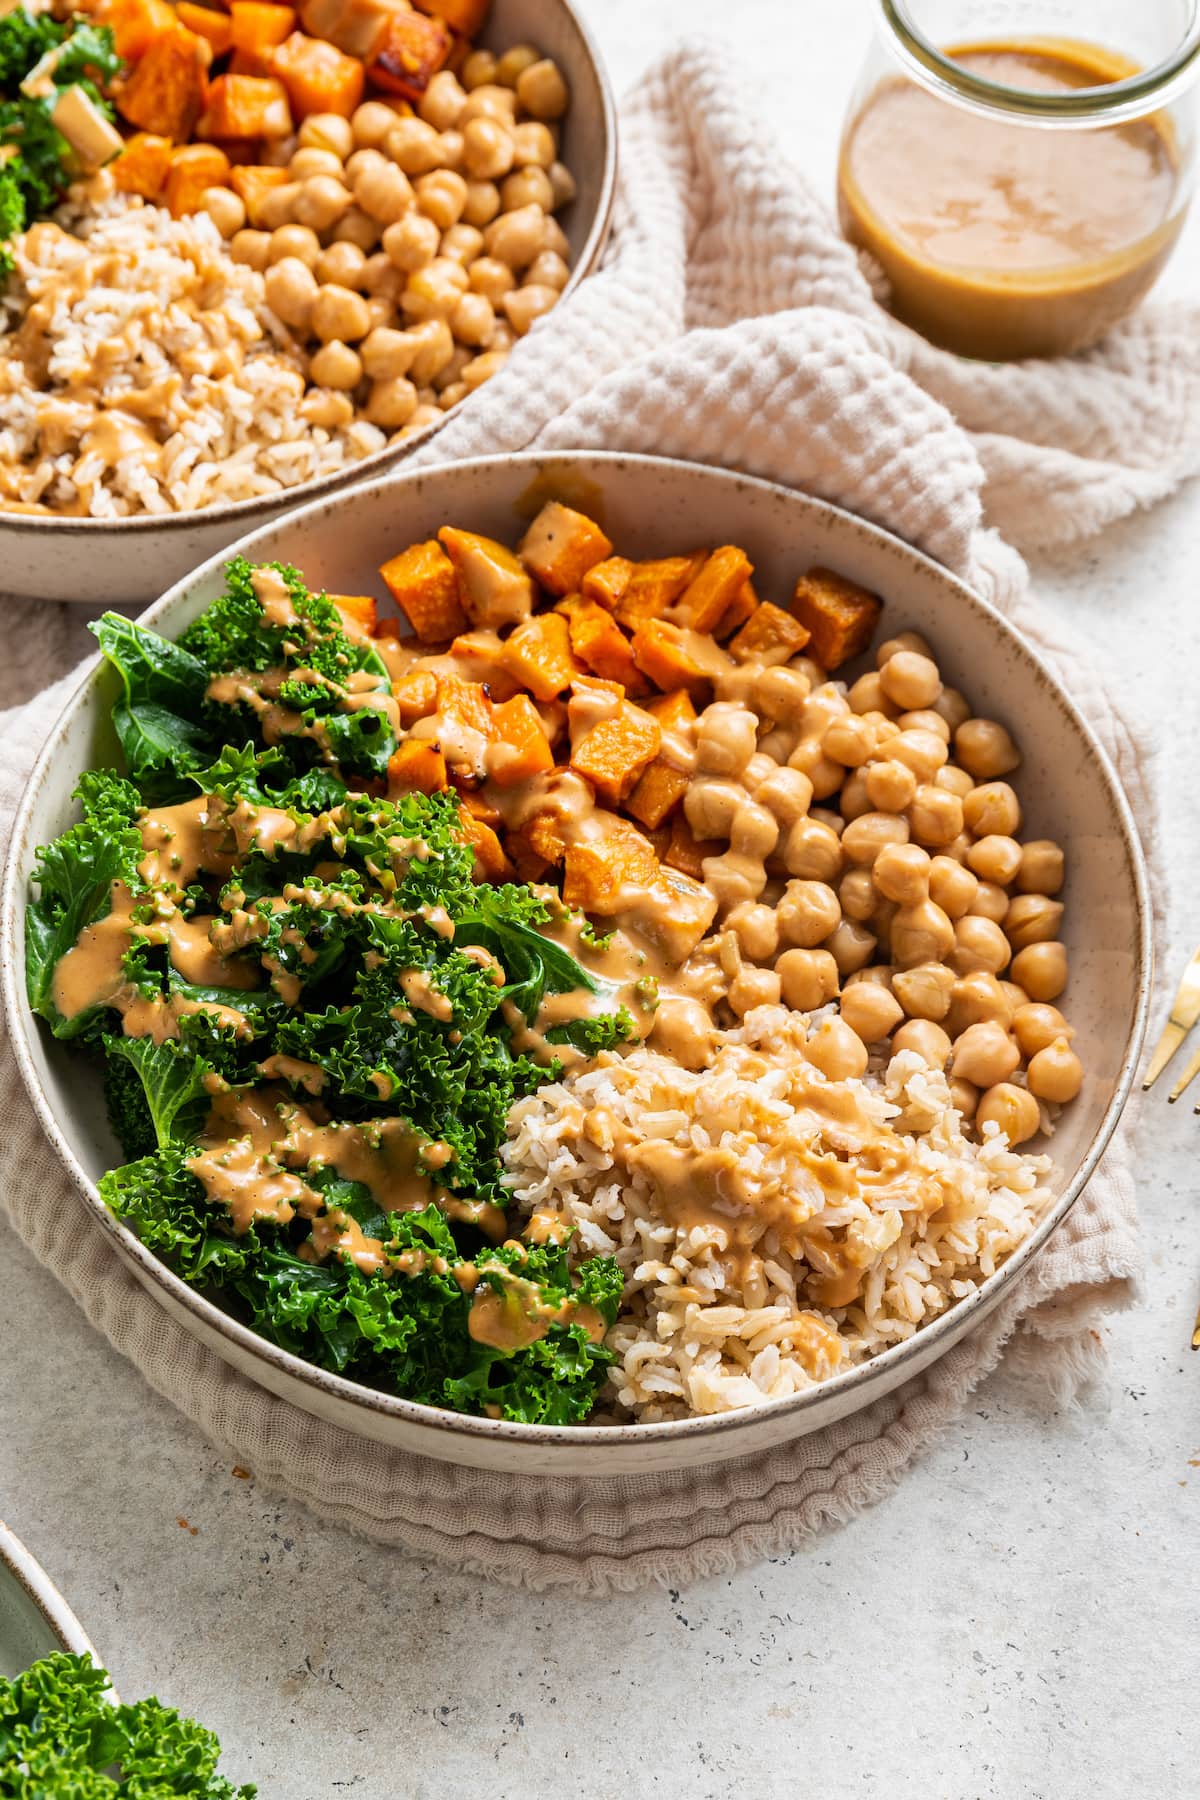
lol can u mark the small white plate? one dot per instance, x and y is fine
(35, 1620)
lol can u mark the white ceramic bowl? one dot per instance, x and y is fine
(129, 562)
(35, 1620)
(649, 506)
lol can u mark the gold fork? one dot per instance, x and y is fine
(1185, 1012)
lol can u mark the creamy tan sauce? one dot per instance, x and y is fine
(519, 1316)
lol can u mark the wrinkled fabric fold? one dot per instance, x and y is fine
(731, 325)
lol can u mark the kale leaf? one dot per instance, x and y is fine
(158, 720)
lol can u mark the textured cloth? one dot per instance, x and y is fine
(730, 324)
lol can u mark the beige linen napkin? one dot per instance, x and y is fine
(730, 324)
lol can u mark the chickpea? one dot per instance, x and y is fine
(956, 849)
(870, 1011)
(953, 887)
(910, 679)
(450, 396)
(356, 227)
(483, 203)
(414, 146)
(990, 902)
(339, 312)
(291, 289)
(812, 850)
(924, 752)
(385, 193)
(807, 913)
(1013, 1109)
(731, 879)
(562, 183)
(809, 978)
(442, 102)
(336, 365)
(924, 719)
(867, 695)
(756, 930)
(964, 1097)
(342, 264)
(482, 368)
(1032, 919)
(954, 780)
(226, 210)
(979, 944)
(513, 64)
(534, 147)
(995, 859)
(850, 740)
(488, 150)
(365, 159)
(387, 355)
(926, 1039)
(924, 990)
(412, 242)
(452, 373)
(910, 641)
(856, 892)
(478, 70)
(1055, 1073)
(327, 131)
(392, 402)
(370, 124)
(434, 348)
(441, 196)
(473, 321)
(322, 407)
(382, 313)
(423, 417)
(525, 305)
(1037, 1026)
(277, 206)
(870, 833)
(295, 241)
(901, 872)
(516, 237)
(759, 769)
(463, 245)
(527, 187)
(490, 278)
(992, 810)
(921, 933)
(541, 90)
(985, 749)
(312, 161)
(753, 987)
(754, 833)
(1041, 969)
(953, 708)
(491, 101)
(891, 786)
(837, 1051)
(977, 999)
(851, 946)
(1042, 868)
(985, 1054)
(853, 800)
(787, 793)
(935, 817)
(548, 270)
(253, 248)
(780, 694)
(321, 202)
(1016, 996)
(433, 292)
(725, 738)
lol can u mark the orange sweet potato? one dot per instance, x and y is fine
(840, 616)
(491, 864)
(743, 604)
(561, 546)
(654, 586)
(254, 106)
(165, 93)
(770, 635)
(613, 754)
(422, 582)
(258, 62)
(539, 655)
(704, 600)
(318, 76)
(142, 165)
(466, 703)
(259, 24)
(194, 167)
(674, 657)
(412, 51)
(135, 24)
(253, 182)
(522, 749)
(673, 709)
(215, 27)
(360, 613)
(493, 587)
(687, 852)
(357, 27)
(657, 793)
(600, 644)
(416, 766)
(600, 874)
(416, 696)
(463, 16)
(606, 581)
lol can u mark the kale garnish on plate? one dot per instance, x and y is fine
(306, 1007)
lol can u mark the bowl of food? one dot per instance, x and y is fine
(35, 1620)
(572, 981)
(293, 242)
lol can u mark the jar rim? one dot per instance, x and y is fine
(1110, 102)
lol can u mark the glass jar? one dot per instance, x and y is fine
(1021, 168)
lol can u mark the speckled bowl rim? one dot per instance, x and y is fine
(29, 1575)
(380, 462)
(855, 1387)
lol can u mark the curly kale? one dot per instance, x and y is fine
(60, 1739)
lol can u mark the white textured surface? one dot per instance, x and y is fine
(1036, 1567)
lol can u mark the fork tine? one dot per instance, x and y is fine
(1185, 1080)
(1185, 1011)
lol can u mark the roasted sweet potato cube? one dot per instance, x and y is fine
(600, 874)
(215, 27)
(416, 766)
(521, 749)
(492, 585)
(466, 703)
(319, 77)
(705, 600)
(673, 709)
(840, 616)
(657, 793)
(259, 24)
(416, 696)
(613, 754)
(491, 864)
(253, 106)
(544, 832)
(360, 613)
(422, 582)
(355, 26)
(674, 657)
(606, 581)
(769, 635)
(253, 182)
(654, 586)
(462, 16)
(600, 644)
(142, 165)
(194, 168)
(687, 852)
(538, 655)
(412, 50)
(740, 608)
(676, 912)
(528, 866)
(166, 92)
(135, 24)
(561, 546)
